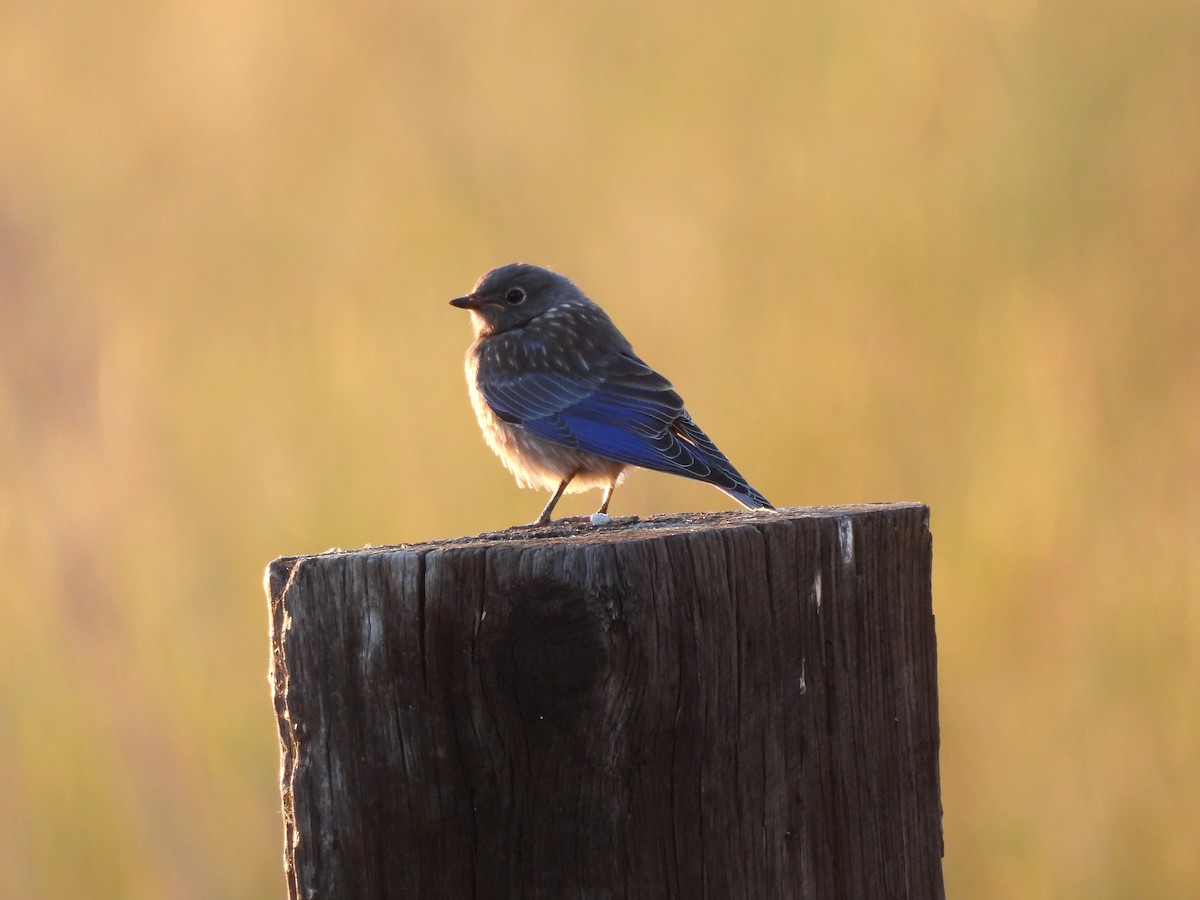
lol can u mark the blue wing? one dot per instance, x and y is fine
(623, 411)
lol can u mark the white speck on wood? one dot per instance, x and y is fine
(846, 540)
(599, 518)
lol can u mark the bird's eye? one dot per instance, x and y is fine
(513, 296)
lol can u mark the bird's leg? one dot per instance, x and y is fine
(603, 510)
(544, 518)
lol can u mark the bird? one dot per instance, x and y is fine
(564, 401)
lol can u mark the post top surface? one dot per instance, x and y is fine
(579, 530)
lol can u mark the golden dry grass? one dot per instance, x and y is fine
(946, 252)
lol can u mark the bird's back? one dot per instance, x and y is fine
(570, 377)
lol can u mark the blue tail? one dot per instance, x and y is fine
(721, 472)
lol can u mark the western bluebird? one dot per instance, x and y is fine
(565, 402)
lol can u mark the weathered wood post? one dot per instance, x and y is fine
(733, 705)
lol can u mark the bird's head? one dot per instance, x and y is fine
(513, 295)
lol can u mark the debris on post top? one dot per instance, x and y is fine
(700, 705)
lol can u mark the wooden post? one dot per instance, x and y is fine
(732, 705)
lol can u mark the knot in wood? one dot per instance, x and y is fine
(550, 650)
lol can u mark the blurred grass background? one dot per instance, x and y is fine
(946, 252)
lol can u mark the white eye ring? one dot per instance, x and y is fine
(514, 295)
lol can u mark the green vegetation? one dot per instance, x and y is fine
(944, 253)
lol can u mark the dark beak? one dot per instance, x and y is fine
(468, 302)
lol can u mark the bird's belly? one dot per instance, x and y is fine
(538, 463)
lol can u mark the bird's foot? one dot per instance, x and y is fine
(528, 525)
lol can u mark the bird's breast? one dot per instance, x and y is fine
(534, 461)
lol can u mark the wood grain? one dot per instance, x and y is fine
(705, 706)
